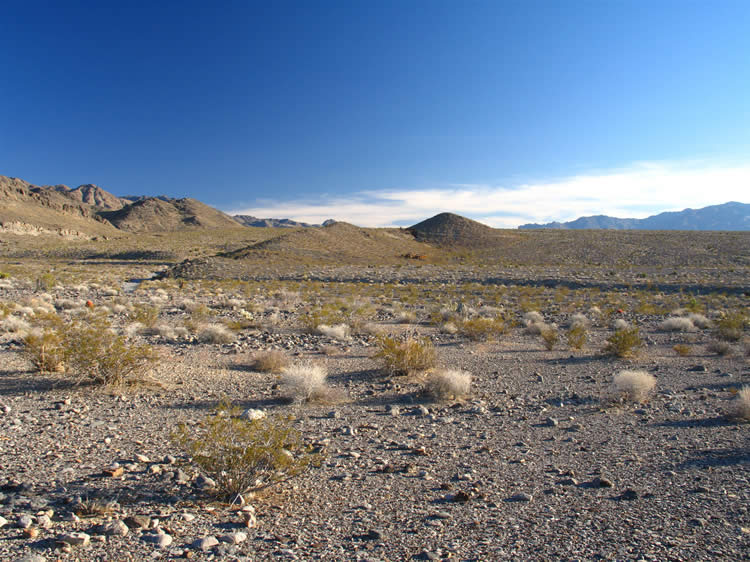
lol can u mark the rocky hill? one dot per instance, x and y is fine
(34, 210)
(92, 195)
(448, 229)
(729, 216)
(154, 214)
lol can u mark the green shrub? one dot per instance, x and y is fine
(145, 314)
(731, 326)
(405, 357)
(624, 342)
(243, 455)
(94, 352)
(482, 329)
(550, 336)
(577, 336)
(44, 345)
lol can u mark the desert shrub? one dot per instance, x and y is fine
(576, 336)
(447, 384)
(338, 332)
(404, 357)
(145, 314)
(579, 319)
(406, 317)
(699, 320)
(633, 386)
(44, 348)
(45, 282)
(730, 326)
(741, 408)
(682, 349)
(532, 317)
(306, 382)
(449, 328)
(624, 342)
(677, 324)
(215, 333)
(482, 329)
(719, 347)
(272, 361)
(4, 275)
(94, 352)
(550, 336)
(15, 325)
(620, 324)
(243, 455)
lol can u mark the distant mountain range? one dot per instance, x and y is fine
(729, 216)
(248, 220)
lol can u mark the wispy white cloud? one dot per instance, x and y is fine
(637, 191)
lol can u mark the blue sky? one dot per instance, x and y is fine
(382, 112)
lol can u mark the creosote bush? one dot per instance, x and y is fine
(448, 384)
(550, 336)
(405, 357)
(577, 335)
(730, 326)
(481, 329)
(272, 361)
(633, 386)
(681, 349)
(243, 455)
(88, 349)
(624, 342)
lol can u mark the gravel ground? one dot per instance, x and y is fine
(538, 464)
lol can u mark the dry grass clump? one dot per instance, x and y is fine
(677, 324)
(633, 386)
(533, 321)
(406, 317)
(271, 361)
(340, 332)
(306, 382)
(215, 333)
(481, 329)
(681, 349)
(620, 324)
(14, 325)
(741, 410)
(624, 342)
(448, 384)
(720, 348)
(405, 357)
(449, 328)
(699, 320)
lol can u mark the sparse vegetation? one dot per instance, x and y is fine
(480, 328)
(306, 382)
(215, 333)
(448, 384)
(406, 357)
(633, 386)
(677, 324)
(719, 347)
(741, 409)
(682, 349)
(272, 361)
(550, 336)
(577, 335)
(243, 455)
(730, 326)
(625, 342)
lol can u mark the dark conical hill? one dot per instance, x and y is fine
(449, 229)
